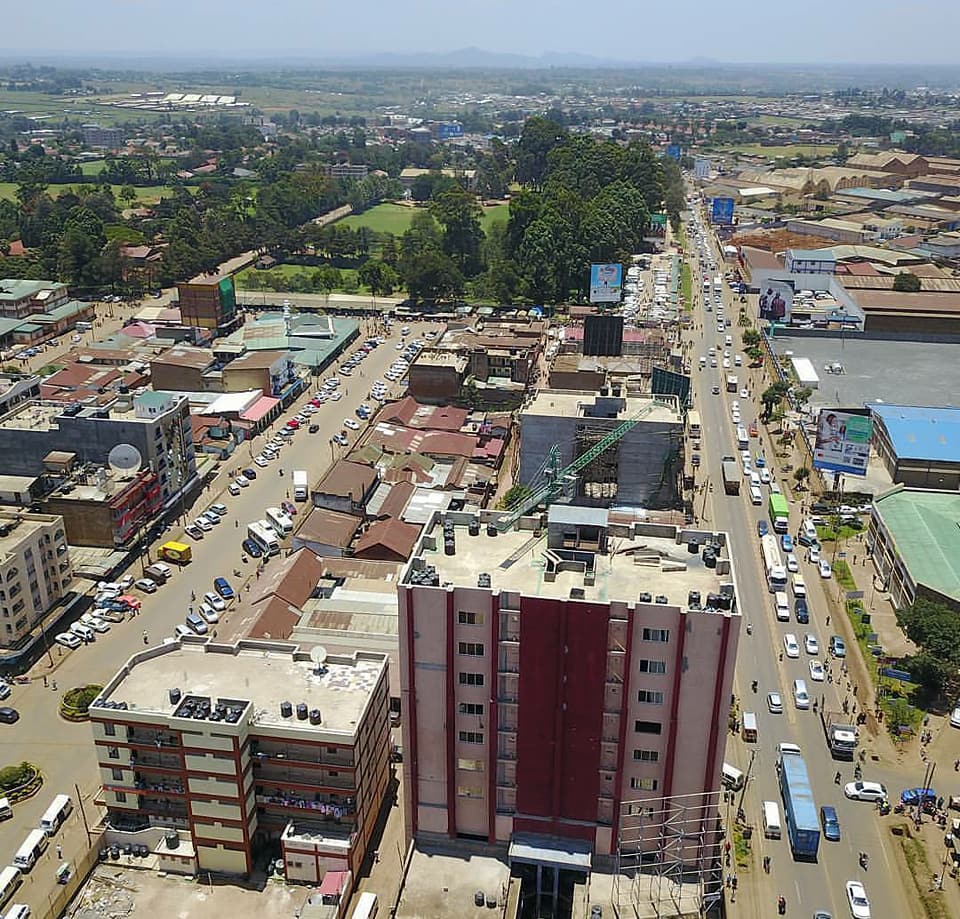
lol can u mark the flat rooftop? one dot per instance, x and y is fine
(28, 524)
(515, 562)
(559, 404)
(262, 673)
(922, 368)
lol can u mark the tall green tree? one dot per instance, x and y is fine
(458, 212)
(538, 138)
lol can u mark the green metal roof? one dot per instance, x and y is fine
(16, 289)
(925, 528)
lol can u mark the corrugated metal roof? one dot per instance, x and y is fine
(918, 432)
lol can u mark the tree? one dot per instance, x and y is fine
(801, 475)
(458, 212)
(128, 193)
(378, 276)
(513, 496)
(906, 282)
(930, 672)
(750, 337)
(802, 395)
(935, 627)
(539, 137)
(772, 397)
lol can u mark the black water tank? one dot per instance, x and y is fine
(174, 695)
(172, 839)
(474, 528)
(286, 709)
(693, 548)
(302, 711)
(315, 717)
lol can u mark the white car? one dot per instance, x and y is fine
(865, 791)
(336, 395)
(955, 717)
(817, 673)
(234, 489)
(811, 644)
(68, 640)
(775, 703)
(126, 582)
(203, 524)
(792, 563)
(350, 423)
(242, 481)
(209, 613)
(94, 622)
(824, 568)
(744, 393)
(147, 585)
(331, 382)
(261, 461)
(765, 476)
(813, 555)
(857, 897)
(790, 645)
(735, 406)
(215, 600)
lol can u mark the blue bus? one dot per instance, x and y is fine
(800, 810)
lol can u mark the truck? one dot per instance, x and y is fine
(800, 810)
(840, 733)
(299, 485)
(779, 513)
(175, 552)
(731, 475)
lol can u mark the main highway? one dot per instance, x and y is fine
(806, 886)
(63, 750)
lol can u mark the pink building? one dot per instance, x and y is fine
(552, 683)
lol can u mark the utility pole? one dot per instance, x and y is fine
(83, 813)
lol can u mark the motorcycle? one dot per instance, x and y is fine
(749, 628)
(753, 685)
(781, 904)
(864, 859)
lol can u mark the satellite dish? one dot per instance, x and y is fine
(318, 655)
(124, 458)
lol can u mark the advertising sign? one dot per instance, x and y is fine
(606, 283)
(722, 211)
(675, 151)
(701, 167)
(843, 441)
(775, 300)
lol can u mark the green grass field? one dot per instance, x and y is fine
(93, 167)
(148, 194)
(396, 218)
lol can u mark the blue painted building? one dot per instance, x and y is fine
(919, 445)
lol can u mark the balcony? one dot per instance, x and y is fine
(150, 785)
(271, 771)
(332, 807)
(147, 738)
(147, 759)
(316, 756)
(163, 809)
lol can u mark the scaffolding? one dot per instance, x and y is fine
(669, 859)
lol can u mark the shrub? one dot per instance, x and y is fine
(14, 776)
(79, 699)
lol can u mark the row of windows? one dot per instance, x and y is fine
(662, 635)
(647, 727)
(646, 756)
(465, 617)
(651, 666)
(471, 648)
(471, 679)
(471, 708)
(471, 736)
(639, 784)
(650, 696)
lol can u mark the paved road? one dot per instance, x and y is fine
(64, 751)
(806, 886)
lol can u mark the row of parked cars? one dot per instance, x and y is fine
(208, 610)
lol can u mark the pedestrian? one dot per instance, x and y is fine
(59, 851)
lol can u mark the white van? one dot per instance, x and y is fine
(31, 849)
(56, 813)
(10, 881)
(800, 695)
(728, 341)
(756, 496)
(6, 811)
(83, 631)
(799, 587)
(18, 911)
(808, 533)
(771, 820)
(731, 777)
(782, 605)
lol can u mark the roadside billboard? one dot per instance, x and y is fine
(674, 151)
(843, 441)
(721, 211)
(775, 300)
(606, 283)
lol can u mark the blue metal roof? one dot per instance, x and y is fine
(921, 432)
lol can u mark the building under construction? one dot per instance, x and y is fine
(638, 470)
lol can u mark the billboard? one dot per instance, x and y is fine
(775, 300)
(722, 211)
(701, 167)
(606, 283)
(674, 151)
(843, 441)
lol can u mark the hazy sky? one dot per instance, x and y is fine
(832, 31)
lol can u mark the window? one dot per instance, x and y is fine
(650, 696)
(471, 679)
(656, 634)
(110, 729)
(113, 752)
(121, 797)
(465, 617)
(647, 727)
(646, 666)
(471, 736)
(469, 791)
(644, 784)
(470, 765)
(646, 756)
(471, 708)
(471, 648)
(639, 810)
(117, 775)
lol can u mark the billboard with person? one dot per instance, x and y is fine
(721, 211)
(775, 300)
(843, 441)
(606, 283)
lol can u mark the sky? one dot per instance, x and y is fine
(814, 31)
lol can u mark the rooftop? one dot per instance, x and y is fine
(261, 673)
(924, 528)
(657, 564)
(920, 432)
(14, 289)
(20, 527)
(573, 404)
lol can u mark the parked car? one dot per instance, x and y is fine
(222, 587)
(215, 600)
(194, 532)
(837, 646)
(251, 474)
(68, 640)
(209, 614)
(912, 797)
(9, 716)
(147, 585)
(203, 524)
(219, 509)
(251, 548)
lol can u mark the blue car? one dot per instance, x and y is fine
(911, 797)
(800, 611)
(786, 542)
(830, 823)
(252, 549)
(759, 461)
(762, 528)
(222, 587)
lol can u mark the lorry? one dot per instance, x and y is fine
(175, 552)
(803, 824)
(779, 513)
(731, 475)
(840, 733)
(299, 485)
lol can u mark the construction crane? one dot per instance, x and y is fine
(550, 480)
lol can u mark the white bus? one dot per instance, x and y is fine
(57, 812)
(264, 536)
(279, 521)
(743, 440)
(366, 906)
(693, 424)
(10, 881)
(33, 847)
(773, 564)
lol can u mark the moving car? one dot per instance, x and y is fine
(811, 644)
(790, 645)
(792, 564)
(824, 567)
(9, 716)
(830, 823)
(786, 542)
(865, 791)
(801, 611)
(775, 703)
(955, 717)
(857, 897)
(837, 646)
(762, 528)
(817, 672)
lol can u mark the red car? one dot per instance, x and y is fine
(288, 507)
(293, 424)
